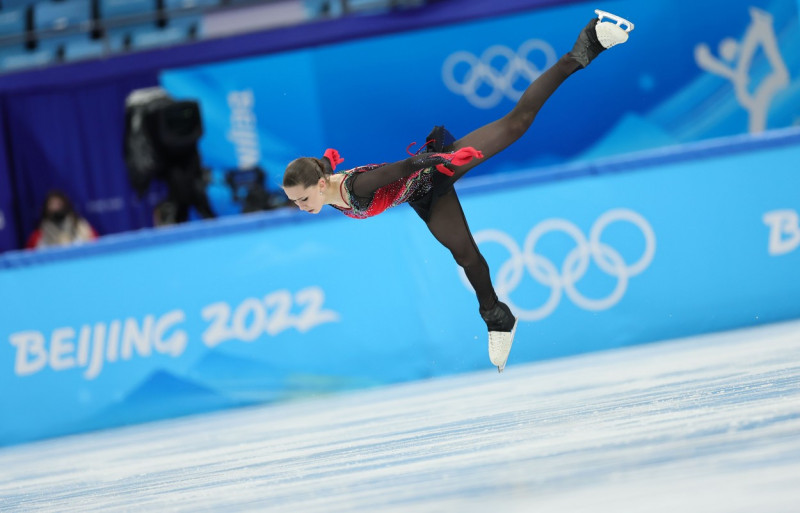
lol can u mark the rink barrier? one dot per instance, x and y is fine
(281, 305)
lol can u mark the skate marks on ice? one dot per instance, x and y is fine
(704, 424)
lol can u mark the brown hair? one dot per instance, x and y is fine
(69, 208)
(306, 171)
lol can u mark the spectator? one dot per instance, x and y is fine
(60, 224)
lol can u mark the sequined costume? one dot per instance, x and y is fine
(405, 189)
(418, 180)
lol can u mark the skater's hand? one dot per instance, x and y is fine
(334, 157)
(457, 158)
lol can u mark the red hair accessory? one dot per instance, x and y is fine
(333, 156)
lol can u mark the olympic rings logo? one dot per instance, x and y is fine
(501, 80)
(574, 266)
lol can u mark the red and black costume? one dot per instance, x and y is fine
(426, 180)
(372, 189)
(402, 190)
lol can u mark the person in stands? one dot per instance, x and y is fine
(60, 224)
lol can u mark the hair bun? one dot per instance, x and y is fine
(327, 167)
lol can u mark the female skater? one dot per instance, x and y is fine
(425, 180)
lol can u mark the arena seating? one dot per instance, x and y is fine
(37, 33)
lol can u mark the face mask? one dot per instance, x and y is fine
(58, 216)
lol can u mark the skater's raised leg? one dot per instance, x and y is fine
(493, 138)
(448, 224)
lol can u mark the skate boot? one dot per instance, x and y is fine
(502, 325)
(599, 35)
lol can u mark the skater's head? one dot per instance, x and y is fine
(57, 207)
(305, 181)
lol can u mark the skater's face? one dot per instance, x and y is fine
(309, 199)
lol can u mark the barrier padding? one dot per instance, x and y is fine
(270, 307)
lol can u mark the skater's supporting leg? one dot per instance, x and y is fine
(448, 224)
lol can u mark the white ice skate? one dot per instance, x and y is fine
(614, 32)
(500, 345)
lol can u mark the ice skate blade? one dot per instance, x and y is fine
(500, 346)
(619, 21)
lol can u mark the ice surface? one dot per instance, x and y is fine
(708, 424)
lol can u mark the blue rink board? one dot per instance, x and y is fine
(275, 307)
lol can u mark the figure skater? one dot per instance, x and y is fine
(425, 180)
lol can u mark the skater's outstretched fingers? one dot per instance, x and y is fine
(457, 158)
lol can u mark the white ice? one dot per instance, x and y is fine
(708, 424)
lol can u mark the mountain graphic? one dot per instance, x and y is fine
(162, 395)
(217, 381)
(630, 134)
(250, 380)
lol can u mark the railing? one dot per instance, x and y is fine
(95, 35)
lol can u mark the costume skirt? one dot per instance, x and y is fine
(438, 141)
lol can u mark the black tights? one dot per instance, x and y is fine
(498, 135)
(447, 222)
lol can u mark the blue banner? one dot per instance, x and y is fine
(690, 72)
(282, 305)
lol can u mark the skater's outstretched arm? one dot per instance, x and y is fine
(364, 184)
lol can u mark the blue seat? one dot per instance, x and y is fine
(84, 48)
(18, 58)
(178, 30)
(12, 22)
(334, 8)
(74, 47)
(323, 8)
(17, 4)
(116, 39)
(49, 15)
(192, 24)
(177, 5)
(111, 9)
(368, 5)
(381, 5)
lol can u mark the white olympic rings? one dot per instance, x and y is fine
(575, 264)
(500, 81)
